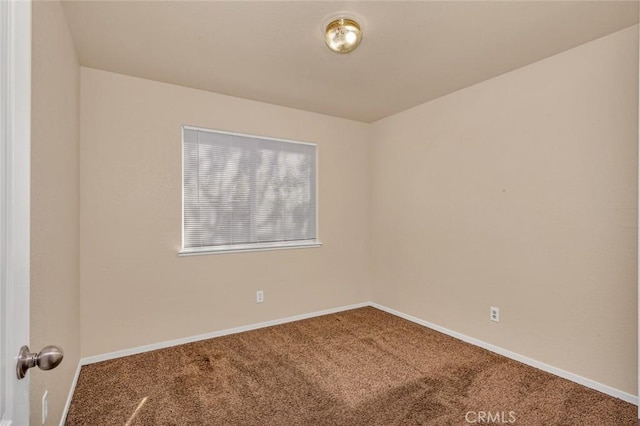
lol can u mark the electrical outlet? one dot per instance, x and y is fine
(494, 314)
(259, 296)
(45, 406)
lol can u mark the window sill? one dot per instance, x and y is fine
(240, 248)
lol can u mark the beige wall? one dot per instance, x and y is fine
(520, 192)
(55, 288)
(135, 289)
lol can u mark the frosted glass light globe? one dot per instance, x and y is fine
(343, 35)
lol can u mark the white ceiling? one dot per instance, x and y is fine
(274, 52)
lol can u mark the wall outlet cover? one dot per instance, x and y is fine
(45, 406)
(494, 314)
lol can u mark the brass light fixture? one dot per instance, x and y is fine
(342, 35)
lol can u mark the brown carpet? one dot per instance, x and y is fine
(360, 367)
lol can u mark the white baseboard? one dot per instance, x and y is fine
(616, 393)
(71, 391)
(184, 340)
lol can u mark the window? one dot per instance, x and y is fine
(243, 192)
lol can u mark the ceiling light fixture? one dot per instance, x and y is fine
(342, 35)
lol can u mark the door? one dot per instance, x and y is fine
(15, 123)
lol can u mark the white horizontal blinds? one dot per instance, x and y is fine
(285, 207)
(246, 190)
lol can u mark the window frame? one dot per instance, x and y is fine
(247, 247)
